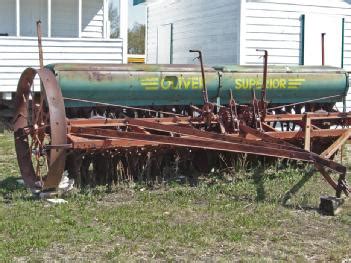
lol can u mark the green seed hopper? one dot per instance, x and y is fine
(146, 85)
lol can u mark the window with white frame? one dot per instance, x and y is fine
(7, 18)
(60, 18)
(31, 12)
(64, 18)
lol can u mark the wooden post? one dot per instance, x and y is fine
(307, 133)
(18, 21)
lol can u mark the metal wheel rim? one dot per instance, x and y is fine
(57, 127)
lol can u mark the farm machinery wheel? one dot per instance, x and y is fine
(40, 130)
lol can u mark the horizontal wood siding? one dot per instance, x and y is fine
(16, 54)
(92, 18)
(211, 26)
(276, 26)
(347, 43)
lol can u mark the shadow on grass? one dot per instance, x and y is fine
(9, 186)
(297, 186)
(289, 194)
(258, 179)
(261, 196)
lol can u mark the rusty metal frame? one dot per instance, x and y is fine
(213, 142)
(178, 131)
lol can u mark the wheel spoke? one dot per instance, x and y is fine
(33, 103)
(40, 112)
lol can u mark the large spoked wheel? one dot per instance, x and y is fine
(40, 130)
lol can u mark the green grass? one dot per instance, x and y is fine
(249, 218)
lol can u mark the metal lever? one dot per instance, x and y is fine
(204, 88)
(264, 82)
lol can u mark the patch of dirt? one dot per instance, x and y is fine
(120, 197)
(309, 236)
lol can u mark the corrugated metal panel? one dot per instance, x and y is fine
(212, 26)
(275, 25)
(16, 54)
(347, 43)
(278, 31)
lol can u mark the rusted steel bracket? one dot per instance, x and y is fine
(307, 129)
(337, 144)
(340, 186)
(318, 159)
(195, 143)
(216, 142)
(204, 134)
(312, 116)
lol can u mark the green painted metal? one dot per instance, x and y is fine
(146, 85)
(285, 84)
(134, 85)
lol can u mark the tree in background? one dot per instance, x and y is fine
(136, 39)
(136, 35)
(113, 16)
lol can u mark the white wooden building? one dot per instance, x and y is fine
(73, 31)
(230, 31)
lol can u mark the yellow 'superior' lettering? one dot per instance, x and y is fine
(252, 82)
(238, 84)
(277, 83)
(282, 84)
